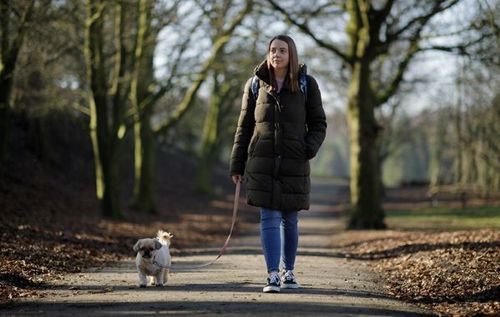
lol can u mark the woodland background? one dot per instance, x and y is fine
(112, 112)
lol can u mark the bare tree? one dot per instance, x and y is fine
(145, 107)
(107, 102)
(372, 32)
(15, 19)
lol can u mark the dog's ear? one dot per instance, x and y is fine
(158, 245)
(137, 245)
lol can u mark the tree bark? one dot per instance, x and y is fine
(11, 42)
(144, 139)
(104, 147)
(5, 90)
(366, 207)
(209, 141)
(144, 165)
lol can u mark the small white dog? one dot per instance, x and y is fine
(153, 259)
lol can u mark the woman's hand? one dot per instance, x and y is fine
(237, 178)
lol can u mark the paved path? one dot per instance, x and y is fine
(331, 285)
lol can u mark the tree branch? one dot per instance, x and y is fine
(391, 89)
(413, 49)
(217, 48)
(60, 52)
(4, 32)
(13, 51)
(82, 109)
(153, 98)
(460, 49)
(378, 17)
(305, 28)
(423, 19)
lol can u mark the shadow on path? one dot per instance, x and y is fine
(244, 287)
(119, 308)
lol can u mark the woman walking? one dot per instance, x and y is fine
(280, 128)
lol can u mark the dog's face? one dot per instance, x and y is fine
(147, 247)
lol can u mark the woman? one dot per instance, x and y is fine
(280, 128)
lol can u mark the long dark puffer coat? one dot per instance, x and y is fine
(277, 135)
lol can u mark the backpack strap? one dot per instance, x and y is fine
(254, 87)
(303, 84)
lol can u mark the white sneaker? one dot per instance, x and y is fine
(273, 283)
(289, 281)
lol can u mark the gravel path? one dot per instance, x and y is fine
(331, 284)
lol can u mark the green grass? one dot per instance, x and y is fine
(441, 218)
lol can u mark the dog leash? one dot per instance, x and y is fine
(224, 247)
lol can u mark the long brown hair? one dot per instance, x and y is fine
(293, 62)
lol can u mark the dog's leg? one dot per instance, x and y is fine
(143, 279)
(165, 277)
(159, 277)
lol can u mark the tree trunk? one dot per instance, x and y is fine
(436, 152)
(105, 157)
(144, 138)
(209, 142)
(203, 175)
(366, 206)
(39, 134)
(11, 41)
(111, 197)
(104, 147)
(380, 170)
(4, 122)
(144, 166)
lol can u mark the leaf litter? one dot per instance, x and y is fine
(452, 273)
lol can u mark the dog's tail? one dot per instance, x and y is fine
(164, 237)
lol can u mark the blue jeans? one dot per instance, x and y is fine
(280, 236)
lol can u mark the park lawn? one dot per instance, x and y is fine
(444, 218)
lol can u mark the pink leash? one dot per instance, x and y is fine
(224, 247)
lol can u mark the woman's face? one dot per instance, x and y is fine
(278, 54)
